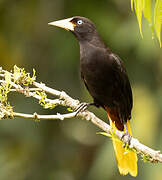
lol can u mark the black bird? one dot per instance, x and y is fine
(106, 79)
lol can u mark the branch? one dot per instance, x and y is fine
(154, 156)
(39, 92)
(45, 117)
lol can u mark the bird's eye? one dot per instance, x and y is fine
(79, 22)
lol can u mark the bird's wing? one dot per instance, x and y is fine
(124, 84)
(84, 81)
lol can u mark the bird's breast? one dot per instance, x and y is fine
(98, 76)
(95, 65)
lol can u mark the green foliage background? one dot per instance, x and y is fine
(71, 150)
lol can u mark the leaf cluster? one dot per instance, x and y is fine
(19, 76)
(143, 8)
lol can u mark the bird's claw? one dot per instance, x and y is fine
(127, 139)
(82, 107)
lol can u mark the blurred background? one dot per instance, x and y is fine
(71, 149)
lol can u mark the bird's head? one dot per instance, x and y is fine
(81, 27)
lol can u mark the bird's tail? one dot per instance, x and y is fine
(126, 160)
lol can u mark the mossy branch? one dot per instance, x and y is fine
(20, 81)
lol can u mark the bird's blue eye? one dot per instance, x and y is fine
(79, 22)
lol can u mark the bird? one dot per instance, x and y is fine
(106, 79)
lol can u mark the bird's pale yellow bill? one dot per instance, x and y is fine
(65, 24)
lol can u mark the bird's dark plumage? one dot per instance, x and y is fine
(106, 80)
(103, 72)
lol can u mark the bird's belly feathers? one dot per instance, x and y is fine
(99, 80)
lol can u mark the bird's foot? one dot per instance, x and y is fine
(127, 137)
(82, 107)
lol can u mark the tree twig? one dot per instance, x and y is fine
(153, 155)
(64, 99)
(36, 116)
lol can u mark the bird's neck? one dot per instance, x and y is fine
(93, 41)
(91, 47)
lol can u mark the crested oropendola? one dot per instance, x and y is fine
(106, 79)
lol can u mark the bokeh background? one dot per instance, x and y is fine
(71, 149)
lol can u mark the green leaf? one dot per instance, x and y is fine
(104, 134)
(7, 79)
(132, 5)
(147, 10)
(147, 14)
(143, 7)
(69, 109)
(49, 105)
(158, 19)
(139, 9)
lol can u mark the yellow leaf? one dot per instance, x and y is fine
(147, 10)
(104, 134)
(132, 5)
(7, 78)
(139, 9)
(143, 7)
(158, 19)
(147, 14)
